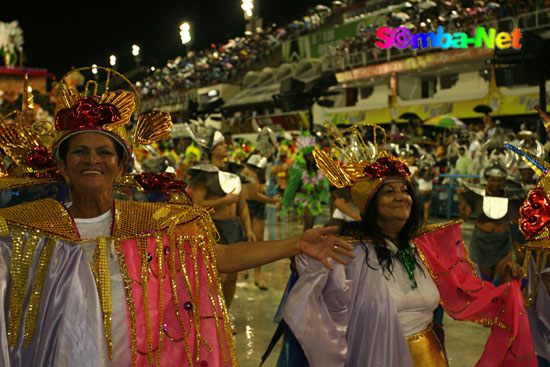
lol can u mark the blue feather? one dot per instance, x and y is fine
(527, 156)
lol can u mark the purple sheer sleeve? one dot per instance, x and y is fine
(346, 317)
(318, 314)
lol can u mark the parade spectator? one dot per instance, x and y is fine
(464, 164)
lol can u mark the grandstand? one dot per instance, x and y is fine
(377, 85)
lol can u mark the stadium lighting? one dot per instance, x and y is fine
(112, 60)
(185, 33)
(135, 52)
(247, 6)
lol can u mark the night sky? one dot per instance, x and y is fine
(60, 35)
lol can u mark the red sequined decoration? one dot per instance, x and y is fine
(40, 158)
(52, 173)
(86, 112)
(151, 181)
(385, 167)
(535, 213)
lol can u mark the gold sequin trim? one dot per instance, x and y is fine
(103, 283)
(205, 228)
(435, 227)
(39, 277)
(531, 290)
(176, 301)
(131, 306)
(46, 215)
(4, 229)
(160, 263)
(20, 265)
(215, 285)
(197, 302)
(421, 334)
(197, 230)
(143, 253)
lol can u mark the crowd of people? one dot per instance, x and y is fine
(493, 186)
(222, 62)
(96, 275)
(121, 245)
(426, 16)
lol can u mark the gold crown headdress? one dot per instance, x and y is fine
(26, 142)
(534, 214)
(33, 145)
(108, 113)
(367, 166)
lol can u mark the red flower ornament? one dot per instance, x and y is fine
(165, 181)
(385, 167)
(40, 158)
(86, 112)
(535, 213)
(51, 173)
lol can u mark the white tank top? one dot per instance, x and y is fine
(415, 307)
(101, 227)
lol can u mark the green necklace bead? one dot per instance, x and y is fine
(408, 259)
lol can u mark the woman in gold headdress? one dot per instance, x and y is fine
(98, 281)
(380, 309)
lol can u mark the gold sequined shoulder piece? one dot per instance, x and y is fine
(8, 183)
(46, 215)
(133, 218)
(435, 227)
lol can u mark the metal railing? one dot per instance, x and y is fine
(535, 20)
(370, 6)
(444, 200)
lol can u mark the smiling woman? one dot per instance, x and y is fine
(394, 204)
(90, 164)
(116, 282)
(383, 308)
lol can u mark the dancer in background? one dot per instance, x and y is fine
(255, 168)
(307, 185)
(345, 211)
(218, 184)
(279, 174)
(494, 206)
(424, 177)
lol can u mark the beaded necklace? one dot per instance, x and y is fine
(407, 255)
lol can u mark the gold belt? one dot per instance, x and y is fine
(426, 351)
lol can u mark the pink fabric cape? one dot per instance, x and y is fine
(464, 296)
(195, 288)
